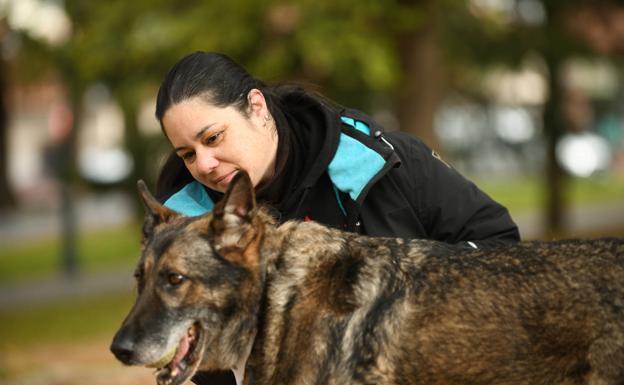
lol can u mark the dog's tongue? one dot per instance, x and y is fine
(183, 348)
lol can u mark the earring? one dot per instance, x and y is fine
(267, 117)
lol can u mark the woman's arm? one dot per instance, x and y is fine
(452, 208)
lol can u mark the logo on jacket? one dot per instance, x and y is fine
(438, 157)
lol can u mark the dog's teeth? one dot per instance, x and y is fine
(164, 377)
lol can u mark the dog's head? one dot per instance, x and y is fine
(199, 286)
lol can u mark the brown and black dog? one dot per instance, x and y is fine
(301, 303)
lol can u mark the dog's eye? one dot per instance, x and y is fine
(175, 279)
(138, 275)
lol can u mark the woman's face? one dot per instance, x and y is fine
(215, 142)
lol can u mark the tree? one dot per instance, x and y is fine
(129, 46)
(554, 30)
(7, 199)
(412, 49)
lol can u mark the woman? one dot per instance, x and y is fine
(310, 159)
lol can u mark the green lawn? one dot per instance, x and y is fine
(527, 194)
(117, 247)
(99, 250)
(81, 319)
(68, 320)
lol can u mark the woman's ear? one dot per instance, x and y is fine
(257, 104)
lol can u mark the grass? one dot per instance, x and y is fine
(87, 318)
(99, 250)
(116, 247)
(527, 194)
(69, 320)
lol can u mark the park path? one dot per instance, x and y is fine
(89, 362)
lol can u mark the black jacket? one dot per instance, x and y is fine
(343, 171)
(418, 195)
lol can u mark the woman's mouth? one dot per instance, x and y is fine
(225, 179)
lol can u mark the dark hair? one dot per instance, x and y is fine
(212, 76)
(221, 82)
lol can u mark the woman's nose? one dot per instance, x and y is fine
(206, 162)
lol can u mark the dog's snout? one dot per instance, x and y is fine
(123, 348)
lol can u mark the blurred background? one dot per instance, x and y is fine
(524, 97)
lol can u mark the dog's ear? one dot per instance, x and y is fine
(232, 229)
(238, 202)
(155, 213)
(234, 235)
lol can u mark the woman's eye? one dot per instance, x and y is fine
(214, 138)
(188, 155)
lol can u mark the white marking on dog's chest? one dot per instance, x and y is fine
(239, 368)
(239, 374)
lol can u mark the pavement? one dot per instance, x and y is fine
(105, 210)
(42, 292)
(92, 211)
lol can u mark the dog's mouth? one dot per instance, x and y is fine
(185, 360)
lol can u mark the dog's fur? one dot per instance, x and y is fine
(307, 304)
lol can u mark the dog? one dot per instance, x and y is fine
(302, 303)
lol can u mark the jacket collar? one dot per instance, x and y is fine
(354, 153)
(363, 156)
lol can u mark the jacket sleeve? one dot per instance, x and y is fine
(452, 208)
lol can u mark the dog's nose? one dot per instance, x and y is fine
(123, 348)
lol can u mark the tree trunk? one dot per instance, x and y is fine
(7, 199)
(423, 79)
(135, 143)
(70, 264)
(555, 177)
